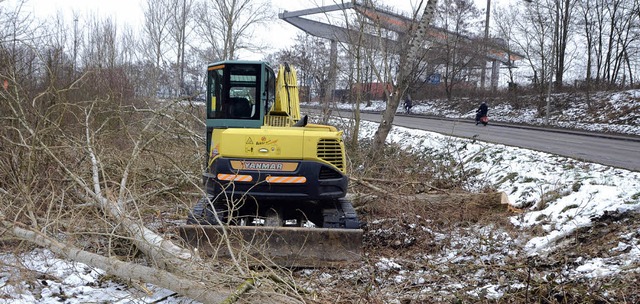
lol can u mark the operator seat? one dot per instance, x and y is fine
(240, 107)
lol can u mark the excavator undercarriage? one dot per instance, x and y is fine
(288, 239)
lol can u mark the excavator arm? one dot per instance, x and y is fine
(285, 111)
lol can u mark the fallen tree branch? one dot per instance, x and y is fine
(390, 182)
(192, 289)
(243, 288)
(370, 186)
(205, 293)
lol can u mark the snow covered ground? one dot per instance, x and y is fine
(41, 277)
(583, 192)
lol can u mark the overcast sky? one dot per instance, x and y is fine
(130, 12)
(130, 9)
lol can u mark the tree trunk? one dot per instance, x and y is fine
(406, 62)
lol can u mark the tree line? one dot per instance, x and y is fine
(164, 57)
(584, 42)
(591, 44)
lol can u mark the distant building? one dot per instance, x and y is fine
(372, 90)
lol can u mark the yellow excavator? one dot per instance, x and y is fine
(275, 184)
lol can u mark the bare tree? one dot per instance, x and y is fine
(504, 20)
(564, 32)
(310, 57)
(156, 34)
(587, 15)
(356, 50)
(371, 56)
(227, 26)
(622, 34)
(181, 12)
(459, 55)
(546, 33)
(18, 27)
(101, 48)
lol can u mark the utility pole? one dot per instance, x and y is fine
(75, 44)
(183, 26)
(553, 60)
(331, 81)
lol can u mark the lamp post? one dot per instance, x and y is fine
(486, 40)
(553, 60)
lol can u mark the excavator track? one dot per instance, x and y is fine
(336, 243)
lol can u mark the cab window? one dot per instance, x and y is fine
(234, 92)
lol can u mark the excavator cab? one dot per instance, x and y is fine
(271, 177)
(238, 95)
(236, 91)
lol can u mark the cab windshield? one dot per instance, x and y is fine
(234, 95)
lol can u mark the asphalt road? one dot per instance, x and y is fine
(617, 151)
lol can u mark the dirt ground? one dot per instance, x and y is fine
(461, 248)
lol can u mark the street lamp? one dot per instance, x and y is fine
(553, 61)
(486, 39)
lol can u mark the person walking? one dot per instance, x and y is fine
(408, 104)
(482, 111)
